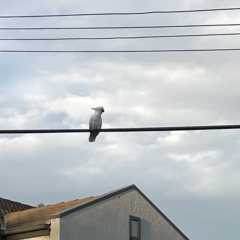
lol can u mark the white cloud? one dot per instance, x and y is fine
(195, 157)
(75, 107)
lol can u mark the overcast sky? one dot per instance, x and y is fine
(193, 177)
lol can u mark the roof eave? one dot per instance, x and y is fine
(34, 230)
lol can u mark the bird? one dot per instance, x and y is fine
(95, 123)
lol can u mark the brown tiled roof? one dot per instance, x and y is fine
(8, 206)
(39, 215)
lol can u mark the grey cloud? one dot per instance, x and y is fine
(191, 176)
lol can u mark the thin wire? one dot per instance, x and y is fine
(120, 27)
(146, 129)
(121, 13)
(123, 51)
(120, 37)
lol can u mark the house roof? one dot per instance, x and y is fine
(116, 193)
(39, 215)
(8, 206)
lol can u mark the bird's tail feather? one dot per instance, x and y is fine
(93, 136)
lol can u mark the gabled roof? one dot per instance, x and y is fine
(113, 194)
(8, 206)
(39, 215)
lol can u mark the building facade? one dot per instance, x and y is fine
(125, 213)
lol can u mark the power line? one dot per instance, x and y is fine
(121, 13)
(120, 27)
(123, 51)
(146, 129)
(121, 37)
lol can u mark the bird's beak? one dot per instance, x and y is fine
(93, 108)
(103, 110)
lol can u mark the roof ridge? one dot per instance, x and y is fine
(63, 202)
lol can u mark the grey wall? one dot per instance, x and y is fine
(109, 220)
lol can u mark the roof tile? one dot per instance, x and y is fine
(39, 215)
(8, 206)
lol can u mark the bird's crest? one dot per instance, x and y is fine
(98, 109)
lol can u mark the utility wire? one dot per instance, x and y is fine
(120, 27)
(123, 51)
(146, 129)
(121, 37)
(121, 13)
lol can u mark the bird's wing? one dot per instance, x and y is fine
(95, 122)
(91, 122)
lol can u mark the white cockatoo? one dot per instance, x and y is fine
(95, 123)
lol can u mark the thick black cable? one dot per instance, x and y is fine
(121, 13)
(146, 129)
(123, 51)
(122, 37)
(120, 27)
